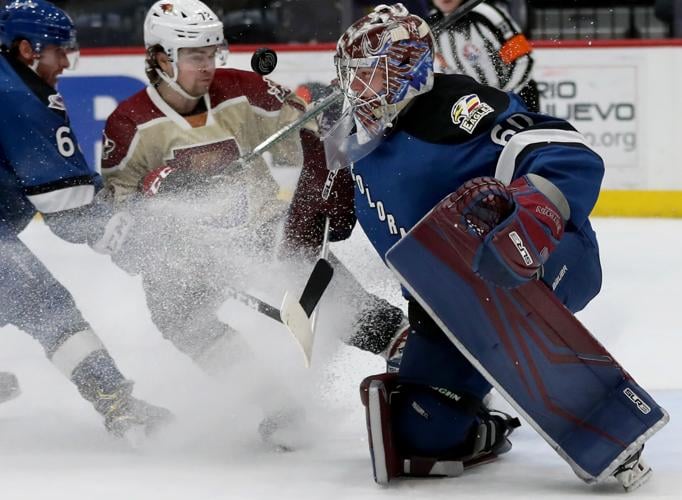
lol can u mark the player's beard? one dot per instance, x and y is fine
(199, 85)
(48, 76)
(202, 86)
(205, 79)
(197, 89)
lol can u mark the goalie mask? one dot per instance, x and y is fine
(382, 61)
(172, 25)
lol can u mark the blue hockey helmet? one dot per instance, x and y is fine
(39, 22)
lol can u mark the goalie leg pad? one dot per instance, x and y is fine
(415, 431)
(430, 359)
(433, 422)
(531, 348)
(375, 393)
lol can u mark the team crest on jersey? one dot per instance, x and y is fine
(276, 90)
(468, 111)
(56, 101)
(108, 147)
(471, 52)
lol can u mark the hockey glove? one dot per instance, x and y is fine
(520, 225)
(165, 180)
(115, 234)
(318, 196)
(178, 180)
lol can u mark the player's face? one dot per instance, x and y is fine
(368, 83)
(52, 61)
(447, 6)
(196, 69)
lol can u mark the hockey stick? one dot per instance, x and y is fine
(333, 98)
(283, 133)
(323, 256)
(337, 94)
(451, 19)
(294, 314)
(254, 303)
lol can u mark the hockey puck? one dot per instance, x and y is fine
(264, 61)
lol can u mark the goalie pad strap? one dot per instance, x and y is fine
(465, 403)
(421, 466)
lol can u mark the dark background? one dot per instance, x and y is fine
(119, 23)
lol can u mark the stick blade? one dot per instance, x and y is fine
(298, 323)
(296, 314)
(317, 283)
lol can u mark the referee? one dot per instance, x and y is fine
(487, 45)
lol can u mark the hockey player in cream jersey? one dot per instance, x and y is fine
(164, 147)
(164, 161)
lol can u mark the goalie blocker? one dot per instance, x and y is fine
(532, 349)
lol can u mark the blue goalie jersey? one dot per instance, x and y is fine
(41, 167)
(461, 130)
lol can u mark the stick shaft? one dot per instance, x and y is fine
(451, 19)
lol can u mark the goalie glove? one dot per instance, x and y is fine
(520, 225)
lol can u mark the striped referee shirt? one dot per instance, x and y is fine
(487, 45)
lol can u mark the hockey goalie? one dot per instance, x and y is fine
(480, 207)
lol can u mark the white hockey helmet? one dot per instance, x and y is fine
(179, 24)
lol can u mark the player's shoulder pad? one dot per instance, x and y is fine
(137, 108)
(122, 125)
(457, 109)
(258, 90)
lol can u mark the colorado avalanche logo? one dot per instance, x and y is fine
(108, 147)
(167, 8)
(55, 101)
(468, 111)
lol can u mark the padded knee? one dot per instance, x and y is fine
(431, 359)
(458, 433)
(427, 424)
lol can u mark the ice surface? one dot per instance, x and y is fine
(53, 445)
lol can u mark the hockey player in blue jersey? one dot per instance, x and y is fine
(413, 137)
(42, 170)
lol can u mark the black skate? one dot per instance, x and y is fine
(9, 386)
(130, 418)
(281, 430)
(634, 472)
